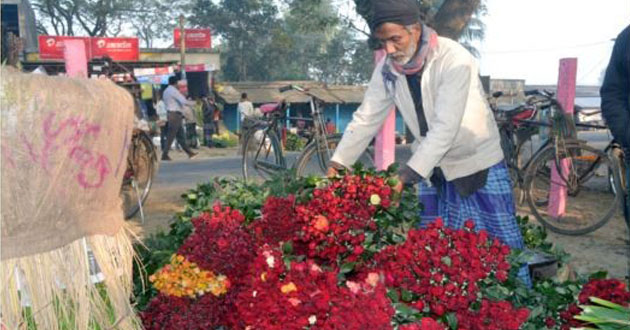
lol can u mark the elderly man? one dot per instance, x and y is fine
(457, 160)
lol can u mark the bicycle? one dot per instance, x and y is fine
(561, 163)
(263, 153)
(141, 168)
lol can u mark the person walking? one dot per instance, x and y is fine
(174, 102)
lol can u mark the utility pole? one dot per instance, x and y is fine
(182, 46)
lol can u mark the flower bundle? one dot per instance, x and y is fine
(438, 271)
(612, 290)
(301, 295)
(277, 223)
(335, 221)
(220, 242)
(183, 278)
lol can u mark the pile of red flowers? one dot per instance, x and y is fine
(277, 223)
(612, 290)
(169, 312)
(220, 243)
(335, 221)
(439, 271)
(302, 295)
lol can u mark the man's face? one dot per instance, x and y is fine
(399, 43)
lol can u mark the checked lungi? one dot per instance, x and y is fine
(491, 208)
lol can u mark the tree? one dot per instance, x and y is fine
(79, 17)
(247, 27)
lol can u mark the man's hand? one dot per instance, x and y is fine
(398, 187)
(331, 172)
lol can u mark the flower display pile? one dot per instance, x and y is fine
(277, 223)
(335, 221)
(183, 278)
(612, 290)
(438, 270)
(345, 254)
(221, 243)
(302, 295)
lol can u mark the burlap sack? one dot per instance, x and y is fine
(64, 146)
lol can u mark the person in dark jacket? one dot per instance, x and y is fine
(615, 91)
(209, 110)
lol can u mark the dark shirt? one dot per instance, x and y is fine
(615, 91)
(208, 111)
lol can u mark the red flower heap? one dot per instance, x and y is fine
(278, 223)
(219, 242)
(169, 312)
(305, 296)
(334, 222)
(499, 315)
(612, 290)
(442, 267)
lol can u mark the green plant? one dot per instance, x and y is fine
(294, 142)
(605, 315)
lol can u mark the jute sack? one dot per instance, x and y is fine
(64, 148)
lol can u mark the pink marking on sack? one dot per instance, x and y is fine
(102, 168)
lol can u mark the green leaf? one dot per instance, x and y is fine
(451, 320)
(347, 267)
(406, 295)
(393, 295)
(446, 260)
(287, 248)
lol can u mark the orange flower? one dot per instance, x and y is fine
(288, 288)
(321, 223)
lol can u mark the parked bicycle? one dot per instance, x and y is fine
(562, 164)
(142, 163)
(263, 154)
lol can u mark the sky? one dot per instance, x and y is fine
(525, 39)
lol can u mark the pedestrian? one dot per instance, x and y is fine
(456, 161)
(209, 108)
(615, 95)
(245, 108)
(160, 110)
(217, 116)
(175, 102)
(615, 90)
(330, 127)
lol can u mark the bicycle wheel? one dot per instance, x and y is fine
(583, 175)
(262, 154)
(315, 162)
(138, 178)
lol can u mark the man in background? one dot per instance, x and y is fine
(175, 102)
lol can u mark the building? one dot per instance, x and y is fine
(341, 100)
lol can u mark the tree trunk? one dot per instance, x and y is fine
(452, 17)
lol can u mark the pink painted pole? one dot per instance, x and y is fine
(385, 144)
(75, 55)
(566, 98)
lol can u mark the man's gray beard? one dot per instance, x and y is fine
(409, 53)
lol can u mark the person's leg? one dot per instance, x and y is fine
(207, 132)
(163, 136)
(216, 127)
(174, 126)
(181, 139)
(491, 208)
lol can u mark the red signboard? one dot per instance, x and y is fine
(195, 38)
(51, 47)
(118, 49)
